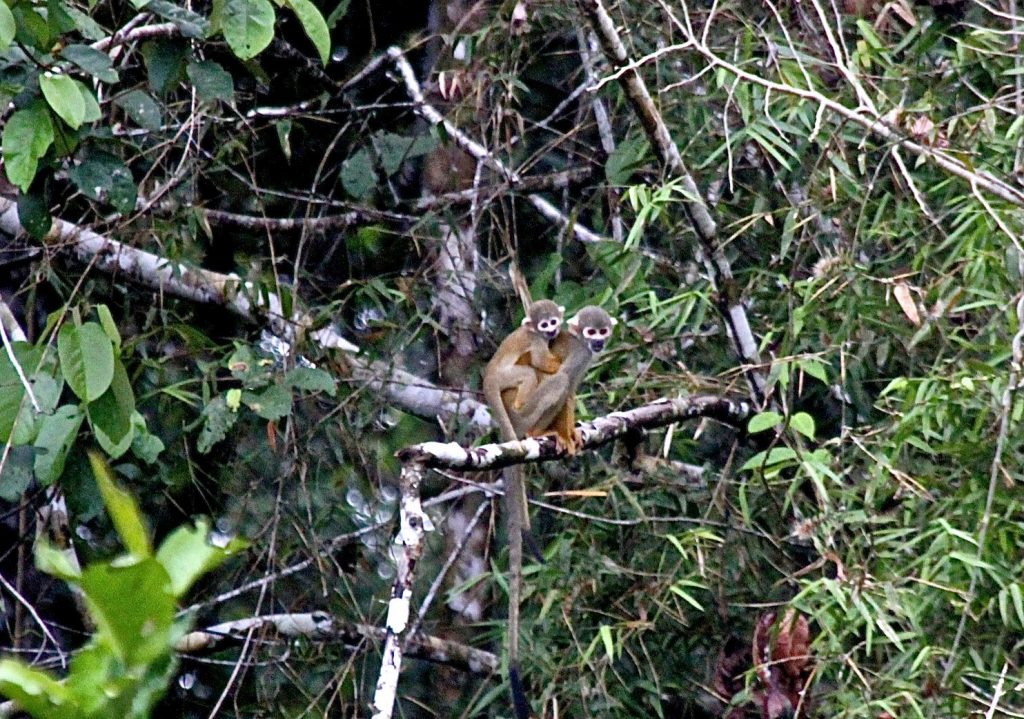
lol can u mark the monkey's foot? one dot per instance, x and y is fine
(577, 440)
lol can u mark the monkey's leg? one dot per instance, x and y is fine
(523, 380)
(542, 406)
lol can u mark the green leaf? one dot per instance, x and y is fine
(111, 414)
(108, 325)
(357, 175)
(338, 13)
(803, 423)
(165, 60)
(145, 446)
(776, 456)
(626, 159)
(15, 409)
(89, 28)
(395, 149)
(314, 25)
(86, 359)
(16, 473)
(273, 403)
(92, 61)
(211, 81)
(36, 691)
(34, 214)
(217, 420)
(815, 369)
(190, 23)
(7, 27)
(103, 177)
(133, 606)
(63, 97)
(122, 507)
(680, 592)
(248, 26)
(27, 136)
(1018, 602)
(54, 562)
(92, 107)
(141, 108)
(762, 421)
(312, 379)
(609, 643)
(187, 554)
(57, 434)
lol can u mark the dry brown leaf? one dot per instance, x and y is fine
(906, 301)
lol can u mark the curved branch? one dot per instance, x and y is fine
(451, 455)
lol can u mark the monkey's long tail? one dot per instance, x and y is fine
(514, 507)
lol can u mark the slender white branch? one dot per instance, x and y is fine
(414, 523)
(479, 152)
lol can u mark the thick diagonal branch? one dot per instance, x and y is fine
(715, 261)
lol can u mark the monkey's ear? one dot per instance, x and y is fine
(613, 321)
(527, 322)
(574, 323)
(561, 310)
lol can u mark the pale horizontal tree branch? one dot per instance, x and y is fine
(176, 279)
(324, 626)
(293, 224)
(599, 431)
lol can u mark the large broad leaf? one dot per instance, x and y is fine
(7, 28)
(12, 388)
(141, 108)
(64, 98)
(211, 81)
(314, 25)
(111, 415)
(187, 554)
(27, 136)
(92, 61)
(57, 434)
(311, 379)
(103, 177)
(122, 508)
(35, 691)
(248, 26)
(133, 607)
(86, 359)
(273, 403)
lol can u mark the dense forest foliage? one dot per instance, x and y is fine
(254, 255)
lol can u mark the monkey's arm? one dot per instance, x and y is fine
(540, 358)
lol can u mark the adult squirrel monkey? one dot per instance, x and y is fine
(550, 408)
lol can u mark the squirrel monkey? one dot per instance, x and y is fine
(512, 372)
(549, 409)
